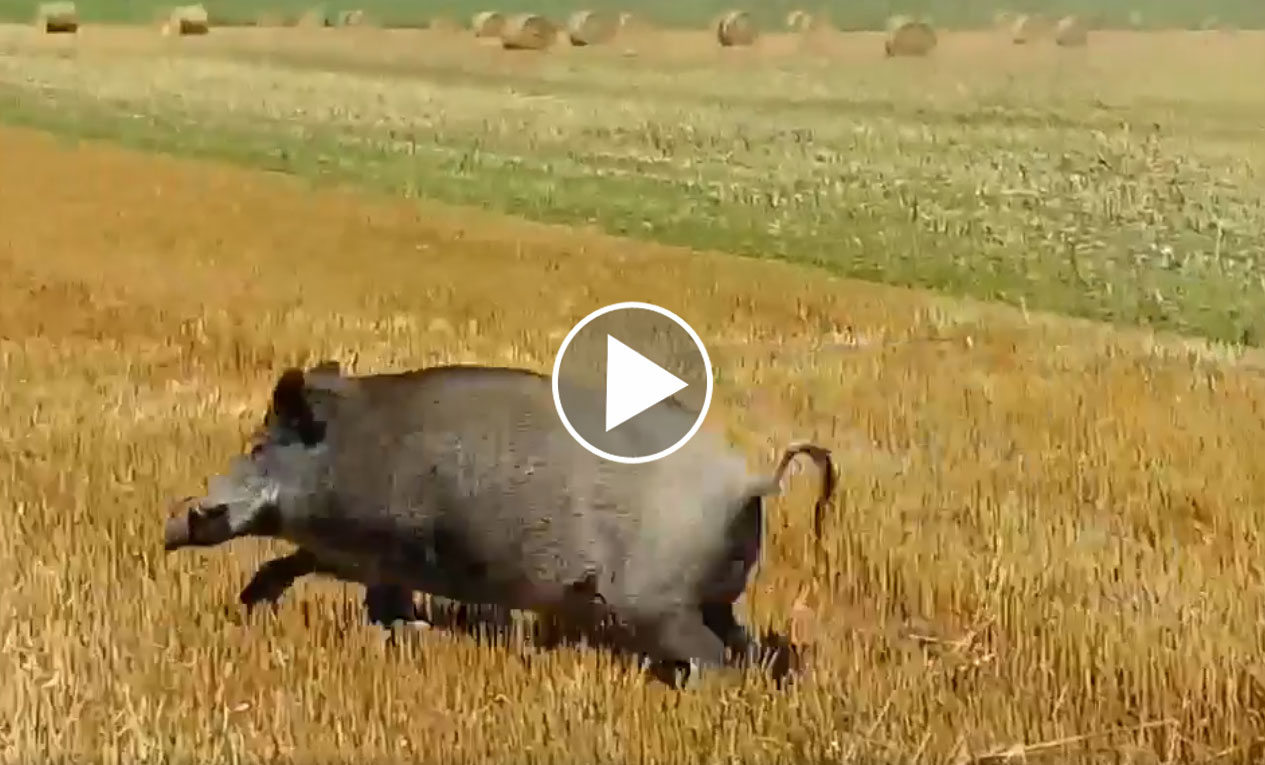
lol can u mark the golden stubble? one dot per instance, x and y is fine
(1045, 527)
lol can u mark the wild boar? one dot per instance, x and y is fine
(462, 482)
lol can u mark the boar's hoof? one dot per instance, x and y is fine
(677, 675)
(260, 591)
(400, 631)
(785, 665)
(690, 674)
(683, 675)
(416, 625)
(778, 656)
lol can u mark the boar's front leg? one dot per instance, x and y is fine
(276, 576)
(385, 604)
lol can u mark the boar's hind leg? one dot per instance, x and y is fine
(276, 576)
(720, 619)
(773, 651)
(682, 639)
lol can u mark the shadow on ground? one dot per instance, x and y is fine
(493, 627)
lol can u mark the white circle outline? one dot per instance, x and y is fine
(707, 397)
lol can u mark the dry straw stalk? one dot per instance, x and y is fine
(909, 37)
(1071, 32)
(736, 29)
(592, 27)
(187, 20)
(57, 18)
(488, 24)
(528, 31)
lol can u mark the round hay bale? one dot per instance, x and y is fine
(592, 27)
(527, 31)
(736, 29)
(487, 24)
(815, 28)
(57, 18)
(798, 20)
(351, 18)
(1027, 28)
(909, 37)
(186, 20)
(1071, 32)
(314, 18)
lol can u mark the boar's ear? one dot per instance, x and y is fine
(327, 377)
(292, 410)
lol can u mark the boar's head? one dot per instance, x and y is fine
(282, 475)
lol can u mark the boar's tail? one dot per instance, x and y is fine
(821, 456)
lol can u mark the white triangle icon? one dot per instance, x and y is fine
(634, 383)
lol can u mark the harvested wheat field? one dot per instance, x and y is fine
(1046, 537)
(1045, 528)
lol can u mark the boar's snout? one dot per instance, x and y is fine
(176, 530)
(196, 525)
(176, 533)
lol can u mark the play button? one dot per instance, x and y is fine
(632, 382)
